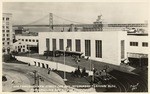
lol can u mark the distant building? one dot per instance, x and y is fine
(129, 27)
(31, 41)
(20, 47)
(7, 34)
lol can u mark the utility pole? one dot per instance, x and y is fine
(65, 65)
(36, 81)
(51, 21)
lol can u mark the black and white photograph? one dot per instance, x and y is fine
(70, 47)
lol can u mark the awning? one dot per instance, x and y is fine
(70, 52)
(137, 55)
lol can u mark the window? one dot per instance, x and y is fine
(33, 40)
(3, 18)
(7, 23)
(7, 27)
(23, 46)
(78, 45)
(20, 46)
(98, 48)
(145, 44)
(7, 35)
(36, 40)
(61, 44)
(3, 39)
(69, 44)
(29, 40)
(26, 39)
(3, 35)
(8, 43)
(22, 39)
(3, 50)
(47, 44)
(54, 44)
(23, 50)
(3, 31)
(8, 38)
(122, 49)
(87, 48)
(3, 43)
(133, 43)
(7, 31)
(7, 19)
(3, 27)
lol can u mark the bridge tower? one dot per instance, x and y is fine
(51, 21)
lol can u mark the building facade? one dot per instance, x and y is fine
(20, 47)
(109, 47)
(29, 40)
(7, 34)
(138, 48)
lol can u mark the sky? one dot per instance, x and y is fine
(81, 12)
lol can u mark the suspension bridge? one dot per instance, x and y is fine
(50, 23)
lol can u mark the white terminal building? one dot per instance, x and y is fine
(106, 46)
(109, 47)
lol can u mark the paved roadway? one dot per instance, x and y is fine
(124, 81)
(22, 75)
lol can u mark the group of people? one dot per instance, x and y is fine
(78, 73)
(76, 59)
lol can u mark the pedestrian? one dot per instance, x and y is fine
(46, 56)
(12, 82)
(49, 70)
(87, 58)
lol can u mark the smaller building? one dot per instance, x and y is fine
(20, 47)
(29, 40)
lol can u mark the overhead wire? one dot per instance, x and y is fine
(68, 19)
(37, 20)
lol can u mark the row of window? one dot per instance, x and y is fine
(29, 40)
(6, 31)
(6, 43)
(7, 27)
(98, 45)
(5, 35)
(6, 39)
(127, 25)
(144, 44)
(6, 18)
(20, 46)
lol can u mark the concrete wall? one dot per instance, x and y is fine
(52, 65)
(110, 43)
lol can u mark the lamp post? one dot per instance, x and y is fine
(65, 68)
(141, 61)
(90, 65)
